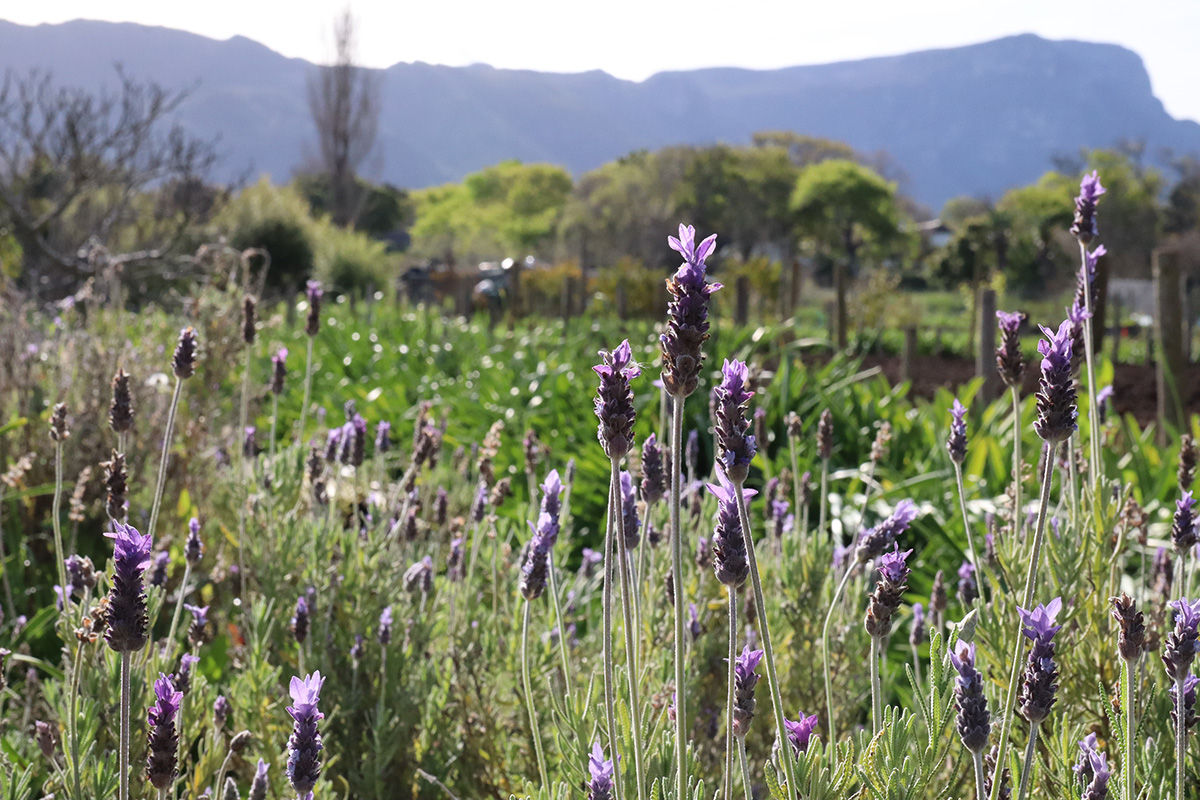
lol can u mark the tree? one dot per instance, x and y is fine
(96, 182)
(343, 100)
(844, 206)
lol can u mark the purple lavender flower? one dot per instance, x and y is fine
(873, 542)
(1181, 646)
(825, 435)
(1097, 787)
(735, 444)
(600, 770)
(1040, 684)
(654, 484)
(259, 786)
(1189, 701)
(220, 711)
(250, 442)
(479, 504)
(1083, 766)
(1132, 638)
(694, 622)
(419, 577)
(974, 722)
(158, 569)
(304, 746)
(614, 400)
(629, 513)
(357, 650)
(1085, 279)
(1010, 362)
(81, 573)
(535, 569)
(1104, 402)
(1056, 406)
(162, 740)
(182, 679)
(120, 412)
(1077, 315)
(358, 450)
(916, 635)
(956, 444)
(385, 626)
(183, 361)
(781, 521)
(745, 678)
(968, 584)
(800, 732)
(889, 592)
(730, 558)
(313, 324)
(687, 313)
(441, 507)
(299, 621)
(1183, 527)
(691, 453)
(198, 631)
(383, 438)
(193, 548)
(126, 616)
(279, 371)
(1084, 227)
(589, 561)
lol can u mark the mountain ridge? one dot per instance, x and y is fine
(975, 119)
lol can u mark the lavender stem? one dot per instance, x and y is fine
(1027, 764)
(681, 786)
(876, 689)
(533, 723)
(631, 667)
(729, 745)
(977, 757)
(837, 594)
(123, 761)
(165, 456)
(962, 506)
(57, 513)
(562, 631)
(609, 694)
(1016, 511)
(1088, 346)
(308, 372)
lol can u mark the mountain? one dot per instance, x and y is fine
(976, 119)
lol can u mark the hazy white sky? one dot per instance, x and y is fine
(635, 38)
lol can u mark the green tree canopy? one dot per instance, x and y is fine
(842, 206)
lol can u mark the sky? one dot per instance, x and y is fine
(635, 38)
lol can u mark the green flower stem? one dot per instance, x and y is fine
(681, 785)
(183, 588)
(631, 665)
(1180, 739)
(837, 594)
(533, 723)
(1127, 678)
(1027, 764)
(57, 520)
(73, 720)
(876, 689)
(977, 757)
(606, 643)
(824, 495)
(165, 456)
(308, 373)
(741, 746)
(962, 506)
(562, 630)
(768, 652)
(1093, 411)
(123, 755)
(796, 489)
(729, 738)
(1014, 671)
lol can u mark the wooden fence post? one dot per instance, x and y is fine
(985, 355)
(1168, 324)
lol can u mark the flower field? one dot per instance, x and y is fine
(306, 549)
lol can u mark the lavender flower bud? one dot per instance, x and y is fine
(1040, 684)
(889, 592)
(800, 732)
(629, 514)
(781, 521)
(968, 584)
(249, 319)
(182, 679)
(383, 437)
(259, 786)
(220, 712)
(654, 484)
(162, 741)
(44, 735)
(419, 577)
(184, 360)
(1056, 405)
(1181, 646)
(1189, 702)
(304, 746)
(694, 622)
(874, 542)
(357, 650)
(703, 554)
(535, 569)
(312, 324)
(127, 596)
(81, 573)
(198, 633)
(974, 722)
(358, 450)
(687, 314)
(735, 445)
(883, 440)
(60, 429)
(825, 435)
(454, 561)
(1085, 279)
(729, 556)
(116, 485)
(989, 774)
(760, 426)
(600, 770)
(120, 413)
(1097, 786)
(956, 445)
(278, 371)
(385, 626)
(231, 790)
(158, 571)
(193, 548)
(916, 635)
(1131, 640)
(299, 621)
(1183, 527)
(1084, 227)
(744, 680)
(614, 401)
(1010, 362)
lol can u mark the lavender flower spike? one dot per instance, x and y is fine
(385, 626)
(278, 371)
(127, 597)
(974, 722)
(1040, 684)
(687, 313)
(730, 560)
(745, 678)
(600, 770)
(614, 401)
(1183, 528)
(1182, 646)
(304, 746)
(1010, 362)
(535, 569)
(800, 732)
(629, 511)
(1056, 405)
(162, 739)
(1097, 788)
(1084, 227)
(654, 482)
(312, 325)
(889, 591)
(735, 444)
(259, 786)
(956, 444)
(873, 542)
(193, 548)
